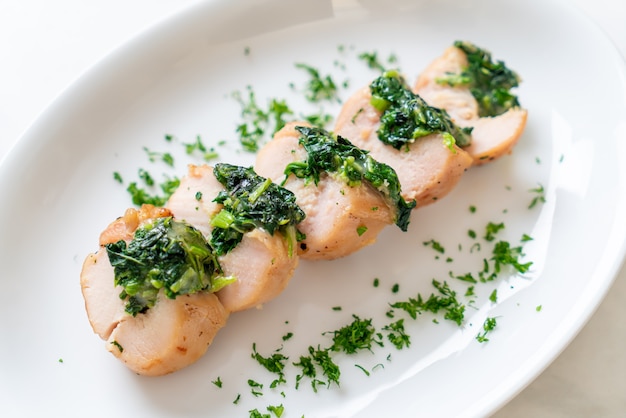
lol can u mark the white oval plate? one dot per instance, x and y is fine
(58, 193)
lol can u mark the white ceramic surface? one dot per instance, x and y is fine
(175, 79)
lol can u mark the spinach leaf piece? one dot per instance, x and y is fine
(251, 201)
(489, 82)
(407, 117)
(164, 255)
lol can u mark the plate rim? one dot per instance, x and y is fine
(173, 20)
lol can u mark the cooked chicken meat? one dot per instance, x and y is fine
(261, 262)
(492, 136)
(339, 219)
(171, 335)
(427, 168)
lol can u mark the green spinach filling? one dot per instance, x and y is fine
(489, 82)
(164, 255)
(251, 201)
(407, 117)
(334, 154)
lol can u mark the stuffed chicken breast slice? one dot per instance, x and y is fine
(492, 136)
(428, 168)
(169, 336)
(340, 219)
(260, 263)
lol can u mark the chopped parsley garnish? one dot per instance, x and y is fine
(330, 369)
(278, 109)
(445, 301)
(140, 196)
(319, 87)
(308, 370)
(356, 336)
(254, 413)
(358, 366)
(276, 410)
(489, 82)
(318, 357)
(488, 326)
(149, 191)
(254, 124)
(506, 255)
(154, 156)
(407, 117)
(217, 382)
(146, 177)
(356, 115)
(491, 230)
(526, 238)
(540, 196)
(435, 245)
(198, 145)
(207, 154)
(119, 347)
(166, 255)
(336, 155)
(251, 201)
(258, 122)
(255, 388)
(396, 334)
(274, 363)
(372, 61)
(467, 277)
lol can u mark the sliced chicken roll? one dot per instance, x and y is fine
(258, 253)
(475, 92)
(428, 164)
(344, 210)
(151, 333)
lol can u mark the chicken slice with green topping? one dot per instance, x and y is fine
(475, 93)
(261, 262)
(170, 335)
(428, 167)
(342, 215)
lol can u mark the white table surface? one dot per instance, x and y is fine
(46, 44)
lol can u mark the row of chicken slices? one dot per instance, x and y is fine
(175, 332)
